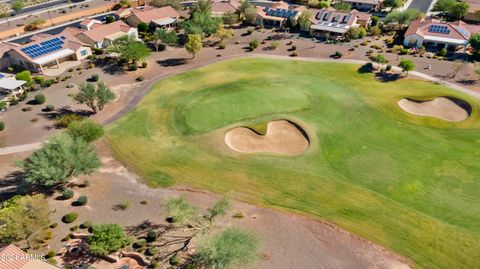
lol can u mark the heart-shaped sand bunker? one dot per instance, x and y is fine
(282, 137)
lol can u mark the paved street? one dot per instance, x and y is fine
(422, 5)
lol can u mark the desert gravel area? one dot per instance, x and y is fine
(288, 240)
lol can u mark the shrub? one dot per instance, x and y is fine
(98, 51)
(338, 54)
(132, 67)
(442, 52)
(70, 217)
(74, 228)
(142, 27)
(39, 98)
(66, 238)
(389, 67)
(140, 79)
(144, 64)
(94, 77)
(82, 200)
(151, 251)
(66, 119)
(124, 205)
(50, 254)
(174, 260)
(238, 215)
(144, 202)
(86, 130)
(151, 236)
(273, 45)
(86, 224)
(52, 261)
(294, 47)
(222, 46)
(53, 225)
(49, 108)
(67, 194)
(2, 126)
(140, 243)
(294, 54)
(26, 109)
(253, 44)
(85, 184)
(47, 83)
(162, 47)
(249, 32)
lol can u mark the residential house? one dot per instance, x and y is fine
(473, 13)
(433, 33)
(88, 24)
(48, 51)
(365, 5)
(102, 35)
(158, 17)
(220, 7)
(13, 257)
(277, 14)
(334, 24)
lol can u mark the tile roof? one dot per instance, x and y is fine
(149, 14)
(220, 7)
(99, 32)
(370, 2)
(456, 30)
(8, 261)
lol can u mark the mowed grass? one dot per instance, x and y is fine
(409, 183)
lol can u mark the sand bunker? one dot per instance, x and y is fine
(282, 137)
(441, 108)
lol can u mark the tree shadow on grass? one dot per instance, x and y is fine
(172, 62)
(387, 77)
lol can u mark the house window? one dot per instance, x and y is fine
(83, 52)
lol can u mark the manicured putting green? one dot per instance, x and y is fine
(407, 182)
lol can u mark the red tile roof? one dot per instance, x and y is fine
(99, 32)
(457, 30)
(149, 14)
(10, 257)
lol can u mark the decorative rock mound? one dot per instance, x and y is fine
(441, 108)
(282, 137)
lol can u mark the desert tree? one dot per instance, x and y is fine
(23, 217)
(223, 33)
(180, 211)
(17, 5)
(194, 44)
(406, 65)
(230, 18)
(220, 208)
(230, 248)
(380, 60)
(164, 36)
(61, 158)
(94, 96)
(130, 49)
(304, 20)
(106, 238)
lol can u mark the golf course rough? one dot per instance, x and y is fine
(408, 182)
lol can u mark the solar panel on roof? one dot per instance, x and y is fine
(282, 13)
(276, 12)
(441, 29)
(44, 47)
(294, 14)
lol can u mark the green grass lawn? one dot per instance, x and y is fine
(409, 183)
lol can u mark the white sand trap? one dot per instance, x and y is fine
(441, 108)
(282, 137)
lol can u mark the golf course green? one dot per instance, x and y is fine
(410, 183)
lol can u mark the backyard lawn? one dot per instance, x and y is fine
(409, 183)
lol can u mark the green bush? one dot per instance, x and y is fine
(253, 44)
(66, 238)
(222, 46)
(49, 108)
(95, 77)
(174, 260)
(85, 184)
(86, 224)
(151, 251)
(388, 68)
(74, 228)
(140, 79)
(2, 126)
(151, 236)
(67, 194)
(50, 254)
(39, 98)
(86, 130)
(142, 27)
(70, 217)
(442, 52)
(144, 64)
(133, 67)
(82, 200)
(47, 83)
(140, 243)
(53, 225)
(162, 47)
